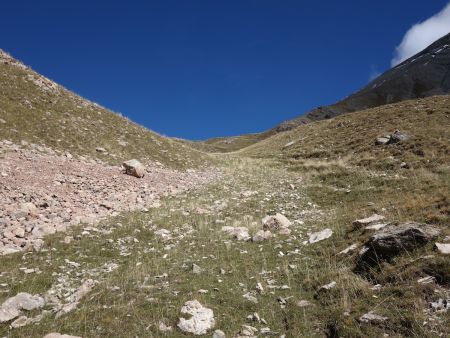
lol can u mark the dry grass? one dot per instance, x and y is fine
(351, 137)
(64, 121)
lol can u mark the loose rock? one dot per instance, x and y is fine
(443, 248)
(320, 236)
(202, 318)
(134, 168)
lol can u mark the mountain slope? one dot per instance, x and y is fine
(37, 110)
(351, 137)
(424, 74)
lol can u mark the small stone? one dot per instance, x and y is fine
(320, 236)
(196, 269)
(59, 335)
(443, 248)
(398, 136)
(372, 318)
(164, 328)
(248, 331)
(375, 227)
(276, 222)
(219, 334)
(382, 140)
(262, 235)
(367, 221)
(328, 286)
(250, 298)
(426, 280)
(240, 233)
(349, 249)
(259, 288)
(304, 303)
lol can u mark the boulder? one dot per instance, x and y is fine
(396, 239)
(276, 222)
(202, 318)
(12, 307)
(134, 168)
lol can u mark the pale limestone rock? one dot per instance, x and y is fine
(202, 318)
(59, 335)
(349, 249)
(219, 334)
(367, 221)
(443, 248)
(240, 233)
(134, 168)
(276, 222)
(320, 236)
(372, 318)
(262, 235)
(12, 307)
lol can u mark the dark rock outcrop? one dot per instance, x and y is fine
(394, 240)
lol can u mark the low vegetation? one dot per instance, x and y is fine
(144, 265)
(37, 110)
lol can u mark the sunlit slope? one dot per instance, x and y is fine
(37, 110)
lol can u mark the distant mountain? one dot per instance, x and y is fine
(425, 74)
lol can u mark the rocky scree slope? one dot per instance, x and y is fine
(39, 111)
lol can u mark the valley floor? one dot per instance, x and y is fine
(130, 274)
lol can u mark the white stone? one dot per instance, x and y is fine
(367, 221)
(349, 249)
(443, 248)
(202, 318)
(275, 222)
(262, 235)
(12, 307)
(219, 334)
(320, 236)
(372, 317)
(240, 233)
(59, 335)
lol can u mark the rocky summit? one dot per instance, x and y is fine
(334, 228)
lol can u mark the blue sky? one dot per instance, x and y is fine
(204, 68)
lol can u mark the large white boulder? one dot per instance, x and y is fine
(134, 168)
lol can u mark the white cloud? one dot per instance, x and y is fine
(422, 34)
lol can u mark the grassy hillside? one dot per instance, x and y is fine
(36, 110)
(230, 144)
(351, 138)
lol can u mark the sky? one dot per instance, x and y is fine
(203, 68)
